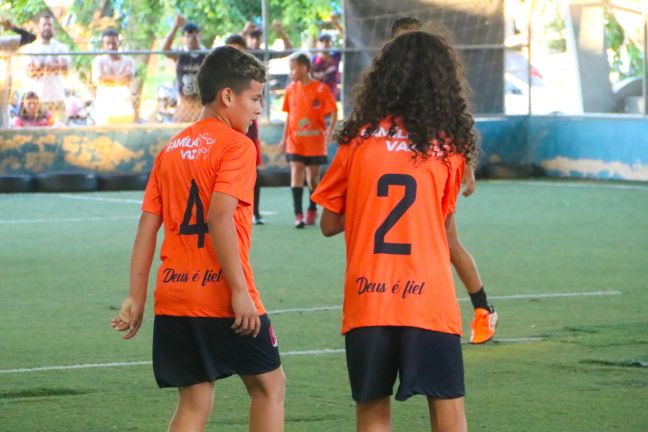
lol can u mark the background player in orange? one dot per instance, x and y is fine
(209, 320)
(485, 318)
(390, 188)
(307, 102)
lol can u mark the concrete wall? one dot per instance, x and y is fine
(605, 147)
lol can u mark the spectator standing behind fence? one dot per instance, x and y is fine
(12, 43)
(112, 74)
(31, 114)
(8, 44)
(46, 72)
(188, 63)
(326, 64)
(253, 36)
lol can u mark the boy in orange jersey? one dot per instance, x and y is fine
(209, 320)
(485, 318)
(307, 102)
(390, 188)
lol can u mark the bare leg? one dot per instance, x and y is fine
(447, 415)
(194, 406)
(296, 174)
(267, 393)
(373, 416)
(313, 176)
(461, 259)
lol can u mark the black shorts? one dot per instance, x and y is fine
(428, 363)
(188, 350)
(307, 160)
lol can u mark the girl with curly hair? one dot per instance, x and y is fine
(393, 182)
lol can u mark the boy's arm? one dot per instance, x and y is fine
(284, 137)
(278, 27)
(132, 310)
(331, 128)
(168, 39)
(331, 223)
(222, 230)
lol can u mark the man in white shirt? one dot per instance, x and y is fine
(112, 74)
(46, 73)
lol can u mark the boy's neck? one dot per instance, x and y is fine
(306, 80)
(213, 111)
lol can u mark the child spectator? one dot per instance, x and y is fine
(326, 64)
(31, 114)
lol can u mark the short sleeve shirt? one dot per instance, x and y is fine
(103, 65)
(206, 157)
(307, 107)
(50, 87)
(398, 263)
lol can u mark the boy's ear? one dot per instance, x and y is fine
(227, 96)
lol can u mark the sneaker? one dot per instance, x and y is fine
(258, 220)
(483, 325)
(299, 221)
(311, 217)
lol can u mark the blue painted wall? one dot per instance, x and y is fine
(601, 147)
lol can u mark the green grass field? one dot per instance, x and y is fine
(559, 363)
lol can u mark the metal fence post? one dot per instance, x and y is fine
(266, 57)
(529, 72)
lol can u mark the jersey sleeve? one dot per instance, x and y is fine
(457, 165)
(152, 195)
(332, 190)
(236, 172)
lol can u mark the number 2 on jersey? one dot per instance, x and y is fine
(200, 228)
(380, 246)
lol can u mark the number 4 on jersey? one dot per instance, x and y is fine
(200, 228)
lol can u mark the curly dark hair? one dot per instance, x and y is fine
(418, 80)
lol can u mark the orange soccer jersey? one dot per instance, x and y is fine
(398, 264)
(307, 107)
(204, 158)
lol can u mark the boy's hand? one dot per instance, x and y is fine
(329, 136)
(247, 320)
(469, 181)
(282, 146)
(129, 318)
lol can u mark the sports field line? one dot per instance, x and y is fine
(102, 199)
(54, 220)
(503, 297)
(148, 362)
(562, 184)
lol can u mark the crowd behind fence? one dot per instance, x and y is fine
(42, 83)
